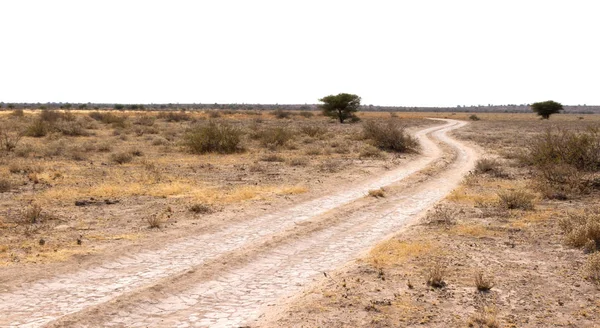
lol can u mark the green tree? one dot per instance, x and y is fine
(119, 107)
(546, 108)
(341, 106)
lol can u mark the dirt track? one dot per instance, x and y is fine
(226, 279)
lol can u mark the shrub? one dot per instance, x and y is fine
(560, 181)
(485, 317)
(33, 214)
(73, 129)
(5, 184)
(200, 209)
(281, 114)
(274, 137)
(370, 152)
(330, 166)
(145, 121)
(50, 115)
(377, 193)
(298, 161)
(482, 283)
(18, 113)
(306, 114)
(313, 130)
(487, 165)
(174, 116)
(390, 136)
(37, 129)
(109, 118)
(9, 137)
(581, 150)
(474, 117)
(582, 229)
(515, 200)
(313, 151)
(435, 275)
(592, 267)
(441, 215)
(213, 137)
(273, 158)
(121, 158)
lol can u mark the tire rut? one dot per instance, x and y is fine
(45, 301)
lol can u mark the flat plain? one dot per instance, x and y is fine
(121, 208)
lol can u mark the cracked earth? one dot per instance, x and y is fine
(230, 277)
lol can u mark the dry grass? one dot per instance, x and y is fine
(377, 193)
(435, 275)
(395, 252)
(516, 200)
(484, 317)
(592, 267)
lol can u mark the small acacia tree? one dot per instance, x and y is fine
(546, 108)
(341, 106)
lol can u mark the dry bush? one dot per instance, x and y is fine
(51, 116)
(515, 200)
(377, 193)
(582, 229)
(482, 283)
(592, 267)
(201, 209)
(298, 161)
(17, 113)
(5, 184)
(281, 114)
(70, 128)
(10, 137)
(330, 166)
(485, 317)
(121, 157)
(22, 167)
(117, 121)
(174, 116)
(214, 114)
(581, 150)
(313, 151)
(441, 214)
(145, 120)
(37, 129)
(371, 152)
(487, 165)
(562, 181)
(313, 130)
(390, 136)
(213, 137)
(474, 117)
(32, 215)
(274, 137)
(435, 275)
(273, 158)
(306, 114)
(104, 147)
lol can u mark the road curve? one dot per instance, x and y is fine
(237, 295)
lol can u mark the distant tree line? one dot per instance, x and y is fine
(509, 108)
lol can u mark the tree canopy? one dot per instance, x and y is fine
(546, 108)
(341, 106)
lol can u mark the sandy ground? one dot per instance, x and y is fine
(185, 282)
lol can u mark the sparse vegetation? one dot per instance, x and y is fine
(201, 209)
(377, 193)
(121, 157)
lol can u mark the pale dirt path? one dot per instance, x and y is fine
(41, 302)
(237, 297)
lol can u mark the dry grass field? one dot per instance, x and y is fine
(514, 246)
(88, 183)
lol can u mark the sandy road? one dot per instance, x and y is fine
(153, 289)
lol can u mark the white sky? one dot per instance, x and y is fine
(405, 53)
